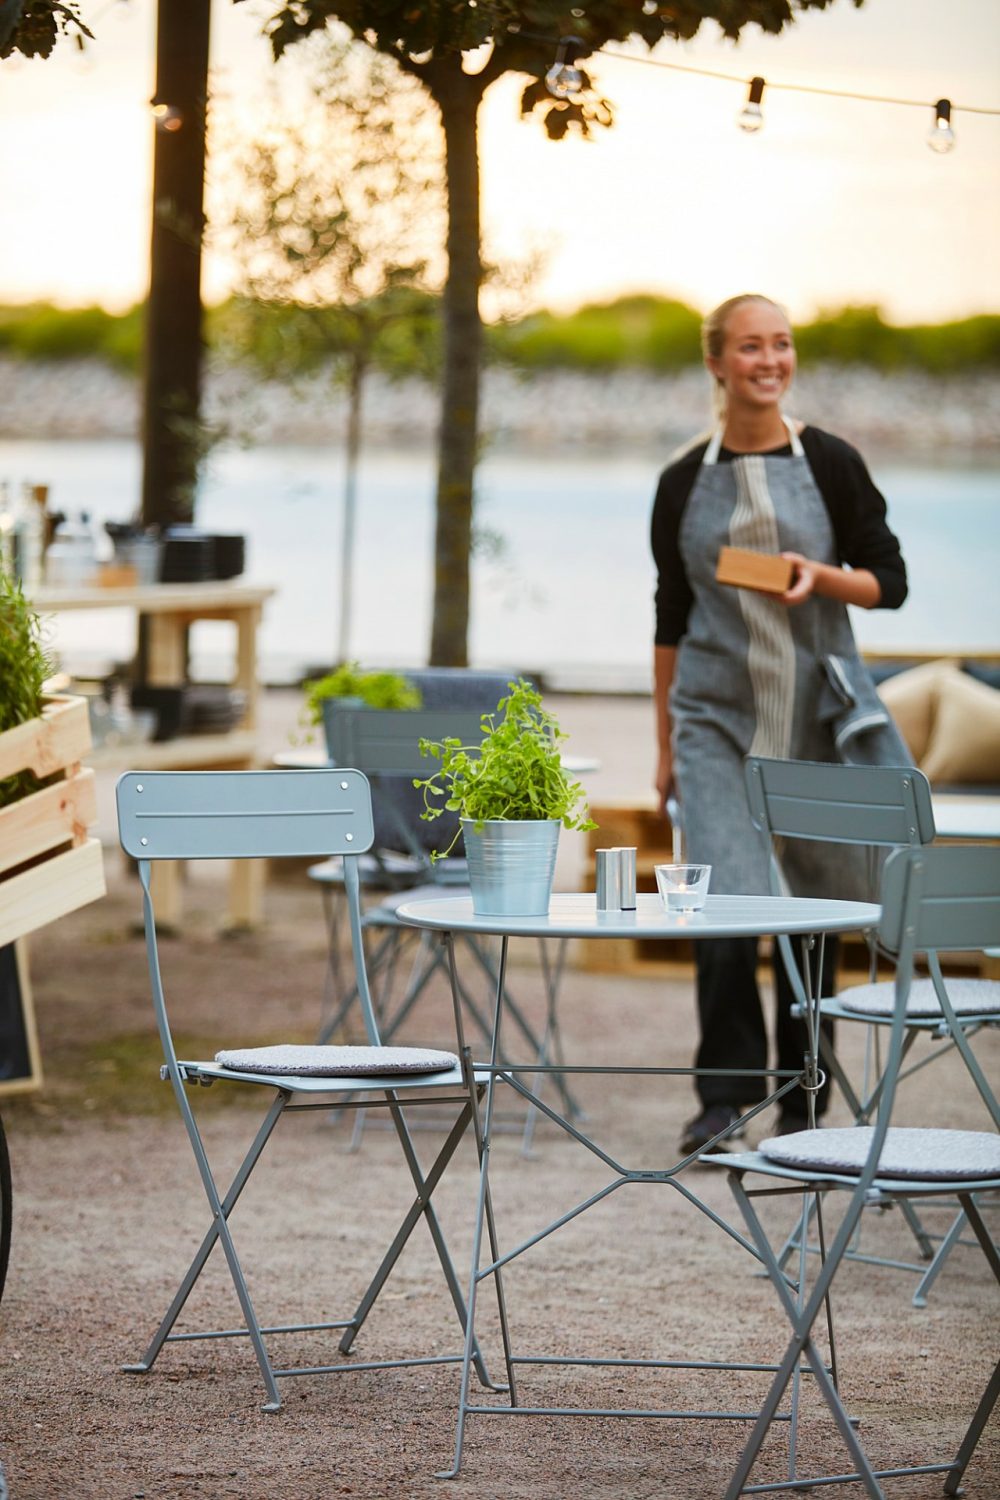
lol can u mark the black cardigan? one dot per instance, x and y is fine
(857, 512)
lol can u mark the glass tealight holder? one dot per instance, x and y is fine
(683, 887)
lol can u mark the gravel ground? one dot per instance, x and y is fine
(108, 1208)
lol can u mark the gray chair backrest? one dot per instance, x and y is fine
(385, 743)
(246, 815)
(945, 898)
(942, 899)
(886, 806)
(381, 741)
(243, 814)
(466, 694)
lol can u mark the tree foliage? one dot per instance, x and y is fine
(334, 217)
(32, 27)
(457, 49)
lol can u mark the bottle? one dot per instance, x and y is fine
(28, 540)
(71, 561)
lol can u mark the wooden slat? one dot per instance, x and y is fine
(47, 818)
(59, 737)
(51, 889)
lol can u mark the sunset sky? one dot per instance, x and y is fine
(833, 201)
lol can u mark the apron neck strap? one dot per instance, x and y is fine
(715, 442)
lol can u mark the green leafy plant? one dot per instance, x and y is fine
(516, 773)
(24, 666)
(375, 689)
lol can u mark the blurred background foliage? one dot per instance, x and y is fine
(638, 332)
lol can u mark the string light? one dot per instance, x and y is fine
(941, 137)
(751, 116)
(167, 116)
(563, 78)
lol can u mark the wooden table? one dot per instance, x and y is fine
(170, 609)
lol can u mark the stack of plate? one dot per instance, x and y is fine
(212, 709)
(188, 555)
(195, 708)
(229, 556)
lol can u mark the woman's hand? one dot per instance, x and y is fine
(803, 579)
(848, 585)
(664, 780)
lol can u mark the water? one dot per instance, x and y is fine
(565, 588)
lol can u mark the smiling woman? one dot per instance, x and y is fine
(739, 671)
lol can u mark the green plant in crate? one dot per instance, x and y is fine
(515, 774)
(348, 681)
(25, 665)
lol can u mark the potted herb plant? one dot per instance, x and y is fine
(48, 865)
(512, 795)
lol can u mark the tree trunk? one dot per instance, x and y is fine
(355, 390)
(458, 99)
(172, 375)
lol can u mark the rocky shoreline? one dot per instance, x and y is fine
(626, 410)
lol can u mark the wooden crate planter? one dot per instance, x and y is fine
(48, 864)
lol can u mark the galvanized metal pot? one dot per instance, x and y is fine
(511, 865)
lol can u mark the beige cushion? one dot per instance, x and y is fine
(333, 1062)
(965, 737)
(927, 1155)
(911, 697)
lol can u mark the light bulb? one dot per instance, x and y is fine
(751, 116)
(941, 137)
(564, 79)
(167, 116)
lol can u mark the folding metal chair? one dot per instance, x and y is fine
(878, 807)
(269, 814)
(937, 899)
(385, 745)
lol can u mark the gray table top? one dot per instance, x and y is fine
(576, 915)
(967, 817)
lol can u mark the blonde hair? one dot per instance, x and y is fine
(713, 337)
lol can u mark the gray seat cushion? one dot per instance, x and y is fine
(335, 1062)
(928, 1155)
(969, 997)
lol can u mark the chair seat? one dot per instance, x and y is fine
(969, 997)
(334, 1062)
(924, 1154)
(392, 867)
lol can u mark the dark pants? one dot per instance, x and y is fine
(733, 1034)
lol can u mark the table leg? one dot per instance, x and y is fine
(484, 1204)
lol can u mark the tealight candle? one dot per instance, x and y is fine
(683, 887)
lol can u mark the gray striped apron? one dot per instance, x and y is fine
(754, 676)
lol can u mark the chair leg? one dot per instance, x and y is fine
(221, 1209)
(953, 1482)
(992, 1391)
(801, 1343)
(421, 1206)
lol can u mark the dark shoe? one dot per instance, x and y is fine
(711, 1122)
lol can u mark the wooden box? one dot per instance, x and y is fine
(48, 864)
(762, 571)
